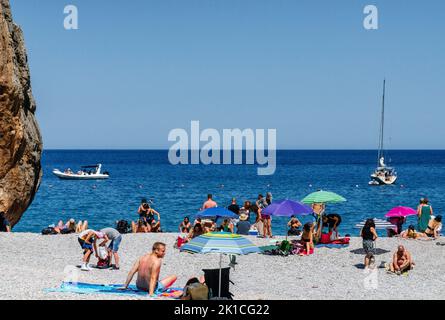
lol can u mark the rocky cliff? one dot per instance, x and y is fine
(20, 140)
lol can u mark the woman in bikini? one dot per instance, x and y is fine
(434, 227)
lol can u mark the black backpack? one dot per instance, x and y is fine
(122, 226)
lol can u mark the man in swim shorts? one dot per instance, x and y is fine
(402, 260)
(148, 268)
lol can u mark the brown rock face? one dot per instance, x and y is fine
(20, 140)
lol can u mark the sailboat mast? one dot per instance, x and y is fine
(382, 124)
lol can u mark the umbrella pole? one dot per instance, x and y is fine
(220, 266)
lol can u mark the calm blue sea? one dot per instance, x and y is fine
(180, 190)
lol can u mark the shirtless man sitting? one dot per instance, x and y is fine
(148, 268)
(402, 260)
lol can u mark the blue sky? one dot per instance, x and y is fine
(137, 69)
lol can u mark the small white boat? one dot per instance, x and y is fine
(383, 175)
(86, 173)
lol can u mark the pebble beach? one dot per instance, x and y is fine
(31, 263)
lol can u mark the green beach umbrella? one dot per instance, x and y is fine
(323, 197)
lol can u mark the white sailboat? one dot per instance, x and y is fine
(383, 174)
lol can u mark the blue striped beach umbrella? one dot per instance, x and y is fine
(222, 243)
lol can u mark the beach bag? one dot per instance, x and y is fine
(48, 230)
(179, 242)
(198, 291)
(102, 252)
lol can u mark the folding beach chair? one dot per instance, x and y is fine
(212, 281)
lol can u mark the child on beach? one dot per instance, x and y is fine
(307, 239)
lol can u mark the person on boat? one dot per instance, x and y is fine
(148, 268)
(185, 225)
(401, 261)
(434, 227)
(243, 225)
(369, 236)
(234, 207)
(411, 233)
(5, 225)
(69, 227)
(87, 241)
(209, 203)
(294, 226)
(307, 238)
(115, 238)
(424, 213)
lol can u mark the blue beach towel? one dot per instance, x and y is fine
(332, 245)
(90, 288)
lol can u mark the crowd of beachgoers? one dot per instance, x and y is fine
(325, 228)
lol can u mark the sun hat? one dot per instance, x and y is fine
(243, 217)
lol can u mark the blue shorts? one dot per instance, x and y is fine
(114, 245)
(85, 246)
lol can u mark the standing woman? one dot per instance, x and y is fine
(424, 213)
(369, 235)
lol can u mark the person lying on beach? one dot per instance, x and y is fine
(401, 261)
(69, 227)
(185, 225)
(5, 226)
(307, 238)
(411, 233)
(148, 268)
(209, 203)
(294, 226)
(111, 234)
(87, 241)
(81, 226)
(434, 227)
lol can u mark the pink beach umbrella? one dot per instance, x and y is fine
(401, 212)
